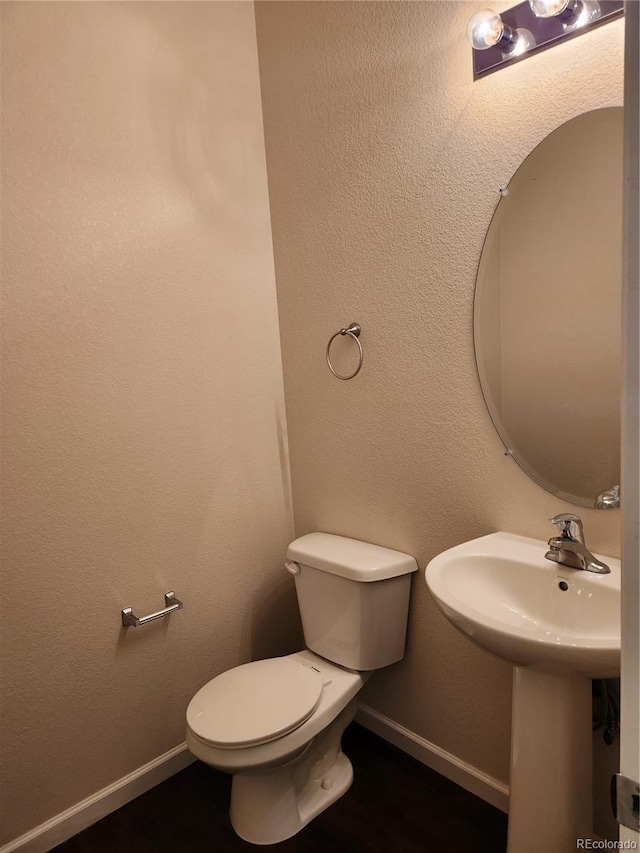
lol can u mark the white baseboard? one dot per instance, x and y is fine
(468, 777)
(83, 814)
(61, 827)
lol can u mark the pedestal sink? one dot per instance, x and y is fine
(559, 627)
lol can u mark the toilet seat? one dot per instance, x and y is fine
(255, 703)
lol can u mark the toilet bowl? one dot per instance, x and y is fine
(276, 725)
(281, 781)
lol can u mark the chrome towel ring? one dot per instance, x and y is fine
(353, 329)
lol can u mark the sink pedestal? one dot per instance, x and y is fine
(502, 592)
(550, 803)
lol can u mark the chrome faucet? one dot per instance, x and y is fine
(568, 549)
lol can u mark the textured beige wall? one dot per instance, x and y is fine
(142, 386)
(384, 162)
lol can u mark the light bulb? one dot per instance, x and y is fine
(548, 8)
(588, 12)
(572, 14)
(524, 41)
(485, 29)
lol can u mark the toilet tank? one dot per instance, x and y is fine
(353, 599)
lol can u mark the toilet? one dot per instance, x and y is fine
(276, 725)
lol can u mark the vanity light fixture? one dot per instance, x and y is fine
(531, 27)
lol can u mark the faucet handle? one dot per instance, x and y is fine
(569, 526)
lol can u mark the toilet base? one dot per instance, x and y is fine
(269, 806)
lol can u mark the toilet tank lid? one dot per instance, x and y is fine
(350, 558)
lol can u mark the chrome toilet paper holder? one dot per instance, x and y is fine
(129, 618)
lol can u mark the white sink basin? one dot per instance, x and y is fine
(502, 592)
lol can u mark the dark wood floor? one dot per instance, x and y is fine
(395, 805)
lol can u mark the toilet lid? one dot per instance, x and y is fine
(255, 703)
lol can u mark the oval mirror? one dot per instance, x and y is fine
(547, 310)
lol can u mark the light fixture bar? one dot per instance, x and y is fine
(546, 31)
